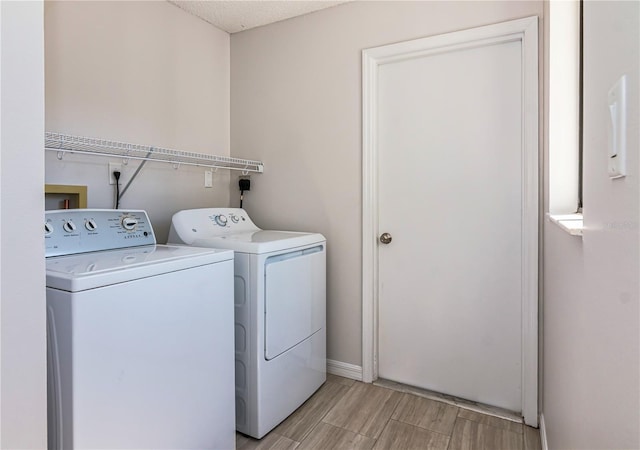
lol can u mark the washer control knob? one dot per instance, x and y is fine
(48, 229)
(69, 226)
(129, 223)
(91, 225)
(234, 218)
(221, 220)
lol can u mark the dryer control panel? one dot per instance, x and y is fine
(192, 224)
(232, 218)
(71, 231)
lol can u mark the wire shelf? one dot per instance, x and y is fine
(62, 143)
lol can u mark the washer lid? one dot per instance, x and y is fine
(92, 270)
(261, 241)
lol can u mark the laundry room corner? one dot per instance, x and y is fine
(138, 72)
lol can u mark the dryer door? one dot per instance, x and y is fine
(295, 296)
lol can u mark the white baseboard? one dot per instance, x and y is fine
(343, 369)
(543, 433)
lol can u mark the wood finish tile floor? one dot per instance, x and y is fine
(347, 414)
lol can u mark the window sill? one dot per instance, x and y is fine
(571, 223)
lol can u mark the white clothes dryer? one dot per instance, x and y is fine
(280, 298)
(140, 336)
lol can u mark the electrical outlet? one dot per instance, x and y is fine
(208, 178)
(113, 167)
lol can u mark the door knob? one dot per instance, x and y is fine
(385, 238)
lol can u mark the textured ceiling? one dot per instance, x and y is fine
(240, 15)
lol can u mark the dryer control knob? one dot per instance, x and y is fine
(234, 218)
(129, 223)
(69, 226)
(48, 229)
(221, 220)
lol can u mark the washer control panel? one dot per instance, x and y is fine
(71, 231)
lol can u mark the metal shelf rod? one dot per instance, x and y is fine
(63, 143)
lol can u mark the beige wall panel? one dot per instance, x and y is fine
(140, 72)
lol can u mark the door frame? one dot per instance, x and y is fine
(521, 30)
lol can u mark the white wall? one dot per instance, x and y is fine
(591, 312)
(141, 72)
(296, 105)
(23, 390)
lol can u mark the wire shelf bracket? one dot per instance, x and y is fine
(62, 143)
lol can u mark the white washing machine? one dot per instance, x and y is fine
(280, 297)
(140, 336)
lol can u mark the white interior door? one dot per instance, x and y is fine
(451, 191)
